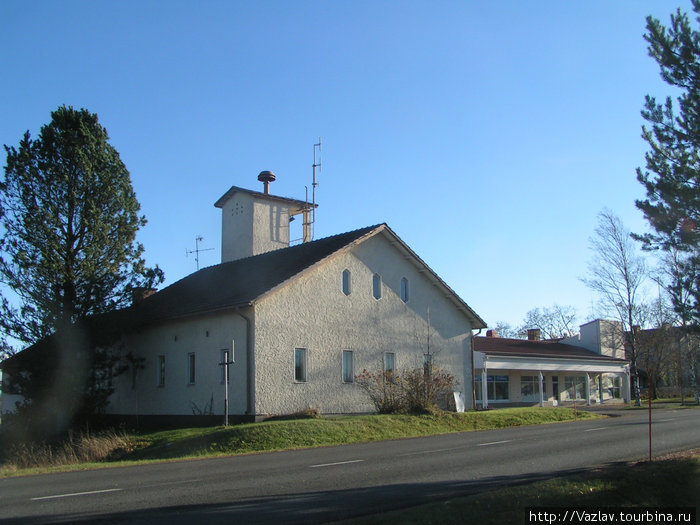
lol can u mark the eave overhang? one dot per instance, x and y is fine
(544, 363)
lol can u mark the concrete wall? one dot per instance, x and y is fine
(600, 336)
(313, 313)
(205, 337)
(252, 225)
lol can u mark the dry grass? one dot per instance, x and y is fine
(84, 447)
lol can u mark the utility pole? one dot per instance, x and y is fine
(226, 363)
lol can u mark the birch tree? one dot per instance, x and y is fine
(616, 273)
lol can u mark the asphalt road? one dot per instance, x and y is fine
(326, 484)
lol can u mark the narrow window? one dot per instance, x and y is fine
(529, 388)
(190, 368)
(575, 386)
(300, 365)
(161, 370)
(348, 368)
(389, 362)
(346, 282)
(499, 388)
(404, 289)
(377, 286)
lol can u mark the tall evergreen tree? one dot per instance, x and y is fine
(70, 217)
(68, 252)
(672, 174)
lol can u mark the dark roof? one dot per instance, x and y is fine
(238, 283)
(223, 286)
(500, 346)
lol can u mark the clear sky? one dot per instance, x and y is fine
(487, 135)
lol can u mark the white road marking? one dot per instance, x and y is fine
(661, 420)
(596, 428)
(494, 443)
(56, 496)
(338, 463)
(168, 483)
(429, 451)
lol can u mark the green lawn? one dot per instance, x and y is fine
(184, 443)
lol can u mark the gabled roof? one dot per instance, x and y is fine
(242, 282)
(500, 346)
(300, 205)
(239, 283)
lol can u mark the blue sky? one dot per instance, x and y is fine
(488, 135)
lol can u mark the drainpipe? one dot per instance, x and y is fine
(588, 389)
(250, 365)
(471, 347)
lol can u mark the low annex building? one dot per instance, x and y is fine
(585, 367)
(298, 322)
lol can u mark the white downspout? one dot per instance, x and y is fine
(588, 389)
(484, 386)
(471, 348)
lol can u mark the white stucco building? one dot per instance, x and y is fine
(300, 321)
(588, 367)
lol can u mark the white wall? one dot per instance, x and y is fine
(206, 337)
(600, 336)
(252, 225)
(313, 313)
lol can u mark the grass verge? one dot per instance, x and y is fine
(666, 482)
(282, 435)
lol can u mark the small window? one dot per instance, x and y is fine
(161, 370)
(348, 367)
(389, 362)
(377, 286)
(300, 365)
(346, 282)
(404, 289)
(190, 368)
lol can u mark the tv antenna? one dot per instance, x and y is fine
(197, 249)
(314, 185)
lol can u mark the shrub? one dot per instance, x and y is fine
(415, 390)
(384, 390)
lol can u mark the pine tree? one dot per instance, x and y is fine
(69, 217)
(672, 174)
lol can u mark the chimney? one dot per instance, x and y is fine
(533, 334)
(266, 177)
(491, 333)
(139, 293)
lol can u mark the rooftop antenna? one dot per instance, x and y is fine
(314, 185)
(197, 249)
